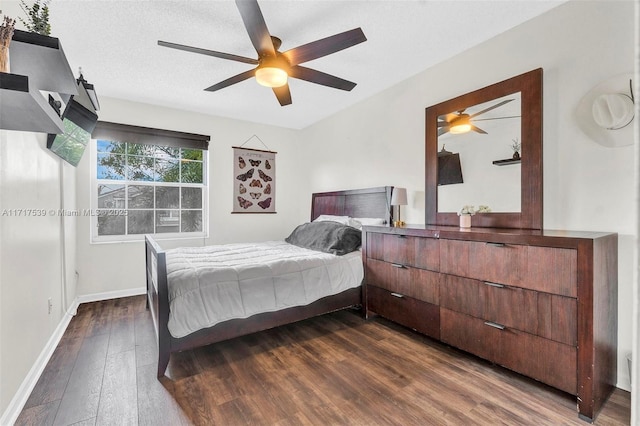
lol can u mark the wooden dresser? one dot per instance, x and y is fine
(542, 303)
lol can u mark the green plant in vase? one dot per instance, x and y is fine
(37, 17)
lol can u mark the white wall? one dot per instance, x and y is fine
(586, 186)
(69, 227)
(117, 267)
(635, 374)
(35, 253)
(31, 256)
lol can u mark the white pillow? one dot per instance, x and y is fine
(331, 218)
(359, 222)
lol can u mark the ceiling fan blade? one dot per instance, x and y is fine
(443, 130)
(320, 77)
(256, 27)
(497, 118)
(477, 129)
(283, 94)
(207, 52)
(499, 104)
(232, 80)
(319, 48)
(443, 123)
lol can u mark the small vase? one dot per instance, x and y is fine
(516, 155)
(4, 59)
(465, 221)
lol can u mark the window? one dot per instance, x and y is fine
(140, 187)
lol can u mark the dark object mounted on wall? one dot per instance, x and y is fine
(87, 94)
(55, 104)
(79, 120)
(449, 168)
(78, 123)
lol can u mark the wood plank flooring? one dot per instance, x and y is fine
(331, 370)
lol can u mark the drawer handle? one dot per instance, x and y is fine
(496, 285)
(398, 265)
(401, 236)
(398, 295)
(497, 244)
(494, 325)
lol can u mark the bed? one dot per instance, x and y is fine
(359, 203)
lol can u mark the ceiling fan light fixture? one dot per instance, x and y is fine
(270, 76)
(460, 125)
(460, 128)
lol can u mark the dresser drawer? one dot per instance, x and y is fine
(553, 270)
(421, 316)
(413, 282)
(419, 252)
(546, 315)
(547, 269)
(550, 362)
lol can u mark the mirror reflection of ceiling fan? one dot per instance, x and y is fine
(461, 122)
(274, 67)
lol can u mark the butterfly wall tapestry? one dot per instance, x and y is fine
(254, 181)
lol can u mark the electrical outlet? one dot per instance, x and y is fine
(50, 304)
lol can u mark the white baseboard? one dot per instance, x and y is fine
(22, 395)
(107, 295)
(624, 384)
(24, 391)
(624, 381)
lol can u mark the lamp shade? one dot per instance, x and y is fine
(399, 197)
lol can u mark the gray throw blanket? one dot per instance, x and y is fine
(328, 237)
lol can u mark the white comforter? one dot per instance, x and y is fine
(208, 285)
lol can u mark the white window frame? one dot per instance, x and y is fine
(94, 182)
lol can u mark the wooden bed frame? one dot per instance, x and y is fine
(370, 202)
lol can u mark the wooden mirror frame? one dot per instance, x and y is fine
(530, 216)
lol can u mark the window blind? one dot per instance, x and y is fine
(149, 136)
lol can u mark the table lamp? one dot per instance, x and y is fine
(399, 198)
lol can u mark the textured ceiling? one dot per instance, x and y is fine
(115, 43)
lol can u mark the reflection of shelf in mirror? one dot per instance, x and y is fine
(24, 108)
(507, 162)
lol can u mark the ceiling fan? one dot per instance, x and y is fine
(460, 122)
(274, 67)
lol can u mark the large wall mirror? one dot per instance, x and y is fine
(471, 144)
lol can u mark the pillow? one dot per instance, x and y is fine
(328, 217)
(326, 236)
(359, 222)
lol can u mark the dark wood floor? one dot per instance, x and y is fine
(335, 369)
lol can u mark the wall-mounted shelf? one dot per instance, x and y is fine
(43, 60)
(37, 63)
(507, 162)
(24, 108)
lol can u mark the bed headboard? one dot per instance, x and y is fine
(368, 202)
